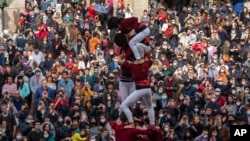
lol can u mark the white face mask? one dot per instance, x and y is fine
(161, 115)
(181, 97)
(238, 103)
(205, 136)
(166, 129)
(102, 120)
(213, 99)
(233, 92)
(246, 91)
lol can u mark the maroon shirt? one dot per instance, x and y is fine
(130, 134)
(127, 134)
(139, 71)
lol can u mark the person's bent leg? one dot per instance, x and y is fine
(143, 49)
(136, 39)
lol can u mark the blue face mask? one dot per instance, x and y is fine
(60, 120)
(18, 137)
(160, 91)
(164, 97)
(196, 110)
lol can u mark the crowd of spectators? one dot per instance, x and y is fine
(59, 71)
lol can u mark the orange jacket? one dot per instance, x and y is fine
(92, 44)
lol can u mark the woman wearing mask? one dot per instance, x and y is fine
(214, 136)
(46, 137)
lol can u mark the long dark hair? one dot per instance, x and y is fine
(20, 84)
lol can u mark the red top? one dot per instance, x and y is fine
(42, 32)
(139, 71)
(127, 134)
(221, 101)
(64, 101)
(128, 24)
(91, 12)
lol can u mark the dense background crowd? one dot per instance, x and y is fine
(59, 71)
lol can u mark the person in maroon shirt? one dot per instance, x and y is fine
(126, 82)
(124, 132)
(139, 71)
(134, 30)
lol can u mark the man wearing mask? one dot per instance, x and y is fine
(240, 109)
(36, 81)
(109, 57)
(26, 126)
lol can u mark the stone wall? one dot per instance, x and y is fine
(138, 6)
(11, 14)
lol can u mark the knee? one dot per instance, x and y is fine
(123, 106)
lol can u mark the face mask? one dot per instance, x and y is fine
(215, 57)
(164, 97)
(217, 93)
(238, 103)
(248, 113)
(162, 58)
(230, 100)
(111, 52)
(102, 120)
(174, 64)
(60, 120)
(220, 83)
(214, 134)
(181, 97)
(187, 87)
(213, 99)
(196, 110)
(109, 98)
(209, 88)
(160, 91)
(46, 136)
(243, 83)
(18, 137)
(166, 129)
(29, 121)
(246, 91)
(161, 115)
(92, 139)
(208, 112)
(205, 136)
(222, 71)
(233, 92)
